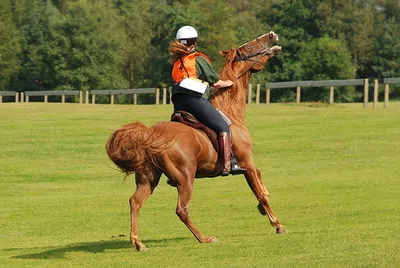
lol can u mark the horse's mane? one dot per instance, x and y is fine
(227, 72)
(228, 100)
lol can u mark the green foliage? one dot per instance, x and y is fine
(387, 60)
(343, 20)
(88, 48)
(136, 20)
(216, 26)
(326, 59)
(36, 71)
(295, 23)
(99, 44)
(9, 45)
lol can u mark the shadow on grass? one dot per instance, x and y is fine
(91, 247)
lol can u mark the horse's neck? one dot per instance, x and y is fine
(233, 100)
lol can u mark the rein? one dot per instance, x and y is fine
(265, 51)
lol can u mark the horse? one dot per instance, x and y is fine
(183, 153)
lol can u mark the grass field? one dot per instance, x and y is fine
(333, 173)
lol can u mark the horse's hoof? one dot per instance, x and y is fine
(281, 230)
(261, 209)
(212, 239)
(140, 247)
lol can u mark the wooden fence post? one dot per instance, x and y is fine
(112, 99)
(17, 97)
(331, 94)
(87, 97)
(45, 99)
(93, 99)
(135, 99)
(27, 98)
(298, 92)
(22, 97)
(365, 93)
(258, 94)
(375, 92)
(157, 96)
(268, 96)
(80, 97)
(164, 94)
(386, 102)
(249, 94)
(63, 99)
(1, 99)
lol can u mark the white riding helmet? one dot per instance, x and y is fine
(186, 32)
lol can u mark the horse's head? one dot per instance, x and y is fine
(239, 64)
(254, 54)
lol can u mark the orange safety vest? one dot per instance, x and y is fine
(188, 69)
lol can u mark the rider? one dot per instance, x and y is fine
(189, 63)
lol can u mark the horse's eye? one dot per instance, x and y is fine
(248, 47)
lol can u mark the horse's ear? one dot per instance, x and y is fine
(223, 53)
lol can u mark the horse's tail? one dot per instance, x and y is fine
(134, 146)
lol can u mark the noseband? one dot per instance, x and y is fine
(248, 57)
(264, 51)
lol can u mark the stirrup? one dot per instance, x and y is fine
(236, 169)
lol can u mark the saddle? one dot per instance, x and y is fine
(188, 119)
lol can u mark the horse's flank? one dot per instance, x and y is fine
(134, 147)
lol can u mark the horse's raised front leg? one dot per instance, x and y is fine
(182, 210)
(145, 184)
(254, 180)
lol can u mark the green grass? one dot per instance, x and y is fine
(333, 173)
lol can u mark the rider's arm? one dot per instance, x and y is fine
(206, 72)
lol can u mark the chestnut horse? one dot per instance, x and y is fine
(183, 153)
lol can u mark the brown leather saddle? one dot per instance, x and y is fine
(188, 119)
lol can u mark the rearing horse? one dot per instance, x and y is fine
(183, 153)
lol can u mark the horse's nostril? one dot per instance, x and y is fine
(271, 35)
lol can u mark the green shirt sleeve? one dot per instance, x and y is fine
(205, 71)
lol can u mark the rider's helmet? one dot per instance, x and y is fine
(187, 35)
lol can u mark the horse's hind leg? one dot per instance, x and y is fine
(145, 184)
(256, 184)
(182, 210)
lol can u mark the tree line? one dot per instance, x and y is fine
(118, 44)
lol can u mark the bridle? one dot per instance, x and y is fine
(264, 51)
